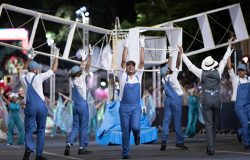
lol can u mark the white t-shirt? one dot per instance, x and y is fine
(81, 84)
(37, 82)
(235, 82)
(173, 81)
(123, 76)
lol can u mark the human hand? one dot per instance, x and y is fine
(91, 50)
(56, 52)
(83, 54)
(229, 41)
(127, 39)
(180, 48)
(142, 40)
(32, 52)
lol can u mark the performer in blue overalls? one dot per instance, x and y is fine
(36, 110)
(241, 92)
(130, 95)
(80, 108)
(172, 103)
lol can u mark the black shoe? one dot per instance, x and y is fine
(163, 146)
(210, 153)
(239, 137)
(27, 154)
(67, 150)
(181, 145)
(126, 157)
(137, 141)
(247, 147)
(41, 158)
(83, 151)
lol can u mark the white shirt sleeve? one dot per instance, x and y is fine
(139, 72)
(232, 74)
(121, 73)
(45, 75)
(163, 81)
(191, 67)
(174, 75)
(83, 76)
(223, 62)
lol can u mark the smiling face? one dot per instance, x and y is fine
(241, 73)
(130, 67)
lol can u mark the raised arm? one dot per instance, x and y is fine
(229, 64)
(224, 61)
(169, 60)
(22, 102)
(55, 65)
(184, 90)
(189, 64)
(179, 58)
(125, 52)
(91, 50)
(67, 98)
(199, 94)
(33, 54)
(4, 99)
(142, 42)
(51, 102)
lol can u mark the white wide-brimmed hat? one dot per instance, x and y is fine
(208, 63)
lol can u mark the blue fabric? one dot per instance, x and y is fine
(172, 105)
(15, 119)
(163, 70)
(33, 65)
(130, 111)
(110, 130)
(242, 66)
(242, 109)
(193, 113)
(80, 119)
(240, 131)
(35, 110)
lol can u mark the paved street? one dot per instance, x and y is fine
(226, 147)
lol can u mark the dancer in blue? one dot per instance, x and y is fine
(80, 108)
(241, 92)
(130, 95)
(172, 103)
(14, 118)
(35, 110)
(193, 111)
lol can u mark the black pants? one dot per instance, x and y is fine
(210, 111)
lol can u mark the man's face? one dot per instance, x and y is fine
(36, 71)
(241, 72)
(130, 67)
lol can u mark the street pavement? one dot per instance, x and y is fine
(226, 147)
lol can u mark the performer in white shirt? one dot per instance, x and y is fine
(130, 95)
(36, 110)
(210, 81)
(241, 92)
(172, 103)
(80, 108)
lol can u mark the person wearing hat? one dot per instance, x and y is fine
(241, 92)
(210, 82)
(36, 110)
(130, 95)
(14, 118)
(80, 108)
(172, 102)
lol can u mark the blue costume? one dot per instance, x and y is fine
(80, 119)
(193, 114)
(242, 109)
(35, 110)
(15, 119)
(130, 114)
(172, 105)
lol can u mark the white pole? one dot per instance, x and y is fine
(154, 86)
(54, 78)
(235, 62)
(50, 80)
(159, 87)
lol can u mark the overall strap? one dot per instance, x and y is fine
(137, 77)
(32, 79)
(165, 80)
(26, 80)
(239, 80)
(127, 79)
